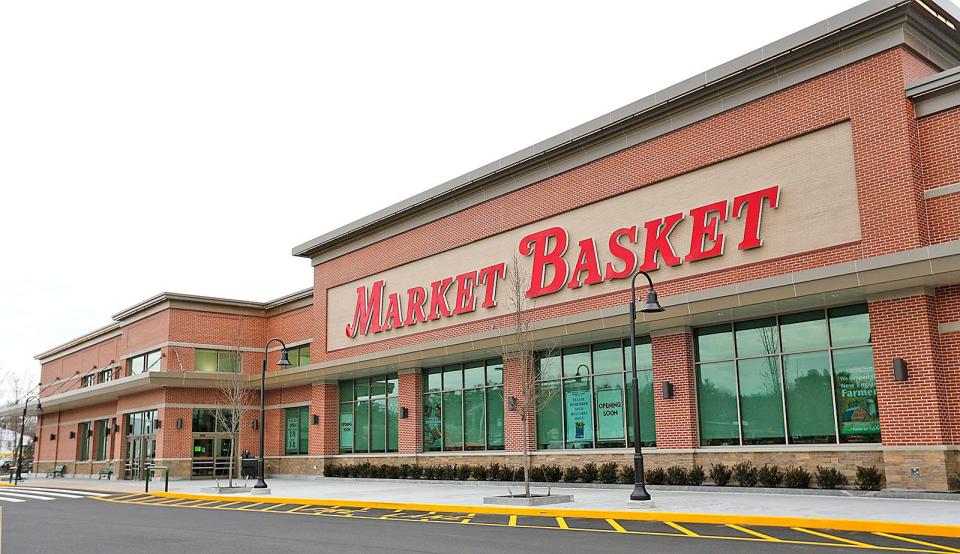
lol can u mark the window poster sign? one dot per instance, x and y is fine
(610, 414)
(293, 433)
(432, 435)
(579, 412)
(346, 430)
(857, 399)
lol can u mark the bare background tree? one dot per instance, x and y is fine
(14, 388)
(236, 396)
(516, 342)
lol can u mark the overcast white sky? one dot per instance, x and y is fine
(188, 146)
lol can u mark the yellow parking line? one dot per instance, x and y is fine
(562, 523)
(298, 508)
(468, 519)
(251, 506)
(682, 529)
(757, 534)
(268, 508)
(512, 522)
(833, 538)
(616, 526)
(916, 541)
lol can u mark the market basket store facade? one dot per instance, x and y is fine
(796, 208)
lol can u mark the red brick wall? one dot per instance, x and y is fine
(410, 396)
(913, 412)
(948, 311)
(940, 144)
(324, 438)
(513, 369)
(677, 423)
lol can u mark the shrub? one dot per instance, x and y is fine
(869, 478)
(415, 471)
(589, 472)
(480, 472)
(797, 478)
(464, 472)
(536, 474)
(552, 473)
(571, 474)
(518, 473)
(608, 473)
(493, 472)
(394, 472)
(329, 470)
(770, 476)
(450, 473)
(720, 474)
(954, 483)
(655, 476)
(430, 472)
(696, 476)
(626, 474)
(745, 474)
(676, 475)
(506, 473)
(830, 478)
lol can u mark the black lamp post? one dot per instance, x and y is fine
(649, 307)
(23, 421)
(282, 362)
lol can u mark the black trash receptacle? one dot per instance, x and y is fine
(248, 467)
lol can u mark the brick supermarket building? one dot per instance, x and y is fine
(797, 208)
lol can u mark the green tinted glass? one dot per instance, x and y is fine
(361, 388)
(304, 355)
(495, 418)
(361, 427)
(432, 433)
(494, 372)
(346, 390)
(757, 337)
(473, 375)
(452, 377)
(206, 360)
(378, 386)
(856, 392)
(550, 418)
(576, 361)
(393, 385)
(228, 361)
(761, 401)
(849, 326)
(608, 357)
(806, 380)
(548, 367)
(717, 399)
(609, 405)
(452, 420)
(578, 413)
(433, 380)
(806, 331)
(378, 425)
(346, 428)
(393, 420)
(473, 411)
(648, 429)
(714, 343)
(644, 354)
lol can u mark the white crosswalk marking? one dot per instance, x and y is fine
(48, 492)
(5, 499)
(23, 494)
(58, 489)
(31, 496)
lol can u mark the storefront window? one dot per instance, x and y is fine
(226, 361)
(802, 378)
(299, 355)
(296, 430)
(369, 414)
(83, 441)
(205, 421)
(591, 405)
(100, 433)
(144, 362)
(463, 407)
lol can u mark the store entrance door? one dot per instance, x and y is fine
(138, 454)
(211, 457)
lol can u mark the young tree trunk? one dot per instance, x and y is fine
(526, 458)
(233, 445)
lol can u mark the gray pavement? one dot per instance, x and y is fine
(864, 508)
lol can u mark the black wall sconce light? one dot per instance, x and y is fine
(53, 437)
(512, 404)
(255, 424)
(156, 424)
(73, 435)
(899, 369)
(116, 428)
(89, 432)
(667, 390)
(316, 419)
(179, 423)
(404, 412)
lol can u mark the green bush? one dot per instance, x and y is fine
(745, 474)
(655, 476)
(770, 476)
(571, 474)
(676, 475)
(720, 474)
(493, 472)
(589, 472)
(696, 476)
(506, 473)
(518, 473)
(954, 483)
(464, 472)
(626, 474)
(869, 478)
(830, 478)
(480, 472)
(537, 475)
(608, 473)
(552, 473)
(330, 470)
(797, 478)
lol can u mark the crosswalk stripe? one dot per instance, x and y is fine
(3, 499)
(27, 496)
(51, 489)
(49, 493)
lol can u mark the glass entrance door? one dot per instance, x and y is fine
(138, 454)
(211, 455)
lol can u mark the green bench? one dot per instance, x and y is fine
(106, 472)
(56, 471)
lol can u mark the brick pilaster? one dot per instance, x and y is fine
(324, 402)
(676, 418)
(410, 396)
(513, 369)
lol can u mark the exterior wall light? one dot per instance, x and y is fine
(53, 437)
(254, 424)
(179, 423)
(667, 390)
(899, 369)
(156, 424)
(316, 419)
(404, 412)
(73, 434)
(512, 404)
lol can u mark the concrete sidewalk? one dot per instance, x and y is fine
(941, 512)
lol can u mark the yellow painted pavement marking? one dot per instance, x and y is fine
(833, 537)
(616, 526)
(468, 519)
(268, 508)
(512, 522)
(252, 505)
(562, 523)
(757, 534)
(917, 541)
(297, 509)
(682, 529)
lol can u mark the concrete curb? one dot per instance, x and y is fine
(852, 493)
(677, 517)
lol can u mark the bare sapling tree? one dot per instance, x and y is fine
(517, 342)
(14, 389)
(236, 396)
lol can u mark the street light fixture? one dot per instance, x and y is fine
(284, 361)
(23, 421)
(650, 306)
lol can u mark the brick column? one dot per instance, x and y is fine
(676, 418)
(513, 369)
(324, 402)
(913, 413)
(410, 396)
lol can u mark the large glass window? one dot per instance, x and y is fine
(101, 434)
(144, 362)
(463, 407)
(205, 421)
(800, 379)
(227, 361)
(84, 431)
(369, 414)
(105, 375)
(296, 430)
(299, 355)
(587, 396)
